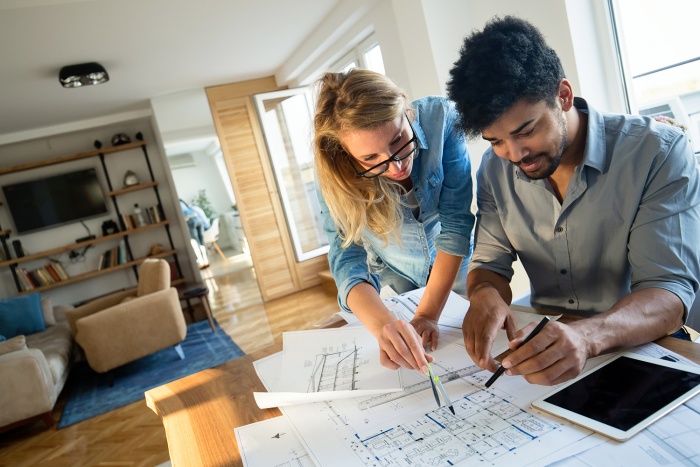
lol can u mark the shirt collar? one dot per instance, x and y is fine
(420, 134)
(594, 154)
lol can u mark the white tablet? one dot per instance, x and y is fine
(624, 395)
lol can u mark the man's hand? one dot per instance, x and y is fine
(487, 314)
(400, 346)
(556, 354)
(427, 329)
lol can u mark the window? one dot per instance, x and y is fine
(659, 47)
(286, 118)
(367, 54)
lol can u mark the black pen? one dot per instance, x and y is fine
(534, 332)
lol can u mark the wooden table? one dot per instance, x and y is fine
(200, 411)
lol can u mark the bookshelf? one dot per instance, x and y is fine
(36, 280)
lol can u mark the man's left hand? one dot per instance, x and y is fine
(428, 330)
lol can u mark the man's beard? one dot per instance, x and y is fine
(551, 163)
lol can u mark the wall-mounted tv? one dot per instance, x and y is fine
(56, 200)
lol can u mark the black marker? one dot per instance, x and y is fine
(534, 332)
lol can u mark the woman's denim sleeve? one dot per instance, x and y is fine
(348, 265)
(455, 202)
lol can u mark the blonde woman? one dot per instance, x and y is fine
(395, 194)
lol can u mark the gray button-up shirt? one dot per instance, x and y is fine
(630, 218)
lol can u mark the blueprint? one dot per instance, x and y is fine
(329, 364)
(271, 443)
(491, 427)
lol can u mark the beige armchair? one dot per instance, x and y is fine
(122, 327)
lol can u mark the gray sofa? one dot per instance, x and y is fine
(33, 371)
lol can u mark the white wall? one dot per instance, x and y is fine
(204, 175)
(183, 116)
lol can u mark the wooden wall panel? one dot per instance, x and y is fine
(308, 270)
(264, 234)
(258, 201)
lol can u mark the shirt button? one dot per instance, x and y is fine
(560, 229)
(571, 301)
(563, 271)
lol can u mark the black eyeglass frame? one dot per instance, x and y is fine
(396, 157)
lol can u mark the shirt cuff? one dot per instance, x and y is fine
(348, 284)
(686, 294)
(454, 244)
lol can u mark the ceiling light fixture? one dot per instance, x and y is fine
(75, 76)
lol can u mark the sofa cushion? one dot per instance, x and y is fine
(10, 345)
(47, 311)
(21, 315)
(56, 343)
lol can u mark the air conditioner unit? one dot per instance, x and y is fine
(181, 161)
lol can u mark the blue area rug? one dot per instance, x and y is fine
(89, 393)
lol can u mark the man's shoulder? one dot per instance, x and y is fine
(640, 136)
(639, 126)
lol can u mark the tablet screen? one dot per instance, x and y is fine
(625, 392)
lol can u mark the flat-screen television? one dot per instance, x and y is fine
(56, 200)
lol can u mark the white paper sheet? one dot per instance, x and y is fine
(360, 430)
(327, 364)
(271, 443)
(492, 426)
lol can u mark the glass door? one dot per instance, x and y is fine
(286, 120)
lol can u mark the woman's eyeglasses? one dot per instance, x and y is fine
(403, 153)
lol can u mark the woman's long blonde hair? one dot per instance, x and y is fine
(356, 100)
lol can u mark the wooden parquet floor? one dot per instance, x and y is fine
(133, 435)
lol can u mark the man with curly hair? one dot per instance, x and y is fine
(602, 209)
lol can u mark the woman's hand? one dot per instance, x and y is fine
(427, 329)
(401, 347)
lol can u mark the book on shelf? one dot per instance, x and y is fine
(123, 258)
(25, 281)
(46, 275)
(149, 214)
(58, 267)
(50, 269)
(113, 257)
(153, 214)
(128, 222)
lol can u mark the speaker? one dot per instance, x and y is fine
(17, 245)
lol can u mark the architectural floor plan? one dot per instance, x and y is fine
(490, 427)
(495, 426)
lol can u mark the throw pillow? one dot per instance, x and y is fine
(21, 315)
(10, 345)
(47, 311)
(59, 312)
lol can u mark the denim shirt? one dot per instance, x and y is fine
(630, 218)
(443, 188)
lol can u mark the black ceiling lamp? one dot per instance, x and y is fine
(75, 76)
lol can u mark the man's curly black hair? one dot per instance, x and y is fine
(506, 62)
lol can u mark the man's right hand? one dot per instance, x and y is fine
(487, 314)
